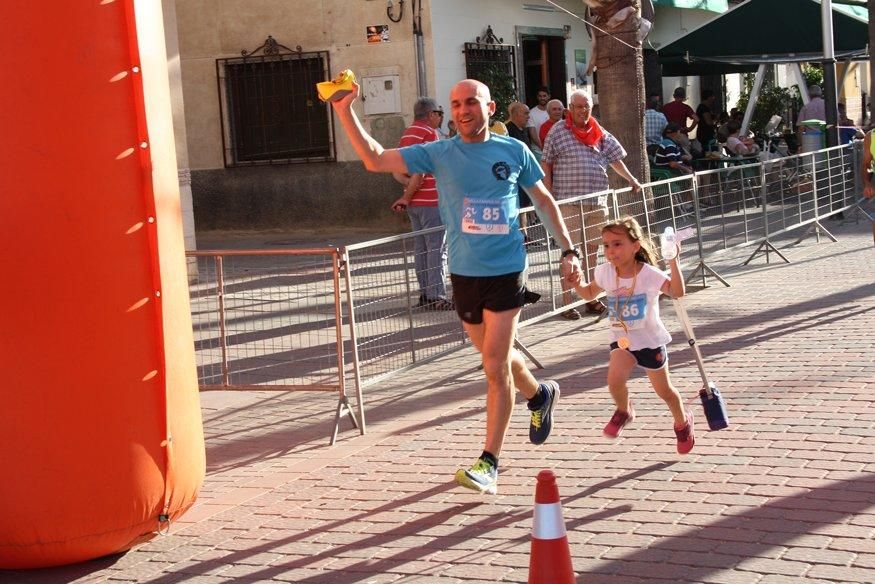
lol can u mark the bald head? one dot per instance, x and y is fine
(519, 113)
(477, 87)
(580, 108)
(516, 106)
(471, 107)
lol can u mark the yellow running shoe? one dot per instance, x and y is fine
(481, 477)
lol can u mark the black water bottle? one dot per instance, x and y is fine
(715, 407)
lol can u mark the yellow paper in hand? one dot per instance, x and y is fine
(337, 88)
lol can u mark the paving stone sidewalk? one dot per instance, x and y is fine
(785, 495)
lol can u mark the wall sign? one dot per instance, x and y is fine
(378, 33)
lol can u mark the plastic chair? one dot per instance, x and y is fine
(669, 191)
(748, 177)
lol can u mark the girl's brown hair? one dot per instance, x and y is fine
(630, 227)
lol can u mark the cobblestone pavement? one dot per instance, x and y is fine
(785, 494)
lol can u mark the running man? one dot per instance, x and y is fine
(478, 179)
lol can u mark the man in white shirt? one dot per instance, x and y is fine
(815, 109)
(538, 115)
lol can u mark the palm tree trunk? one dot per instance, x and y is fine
(621, 95)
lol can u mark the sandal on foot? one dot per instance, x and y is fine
(570, 314)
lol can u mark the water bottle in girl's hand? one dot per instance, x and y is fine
(669, 239)
(668, 244)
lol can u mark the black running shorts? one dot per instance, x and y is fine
(496, 293)
(648, 358)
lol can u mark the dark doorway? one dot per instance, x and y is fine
(543, 62)
(652, 74)
(714, 83)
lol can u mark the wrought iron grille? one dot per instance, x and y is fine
(494, 64)
(480, 56)
(269, 109)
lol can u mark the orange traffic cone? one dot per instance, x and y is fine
(550, 560)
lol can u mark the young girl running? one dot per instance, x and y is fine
(633, 286)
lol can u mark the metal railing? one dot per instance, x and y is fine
(729, 208)
(273, 320)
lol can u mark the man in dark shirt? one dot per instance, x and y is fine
(707, 119)
(516, 125)
(516, 128)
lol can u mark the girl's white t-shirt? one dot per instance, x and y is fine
(638, 308)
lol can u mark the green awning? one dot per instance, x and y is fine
(858, 11)
(762, 31)
(712, 5)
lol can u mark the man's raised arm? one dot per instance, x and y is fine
(371, 152)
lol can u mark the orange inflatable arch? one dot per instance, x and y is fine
(101, 443)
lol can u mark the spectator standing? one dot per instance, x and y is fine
(576, 157)
(848, 130)
(654, 124)
(479, 174)
(555, 109)
(537, 116)
(517, 128)
(682, 115)
(517, 123)
(815, 109)
(420, 200)
(707, 119)
(868, 169)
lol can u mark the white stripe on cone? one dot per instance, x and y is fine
(548, 523)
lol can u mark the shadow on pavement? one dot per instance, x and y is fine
(695, 555)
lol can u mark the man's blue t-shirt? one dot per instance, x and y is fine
(478, 185)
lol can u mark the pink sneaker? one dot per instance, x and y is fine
(618, 422)
(686, 436)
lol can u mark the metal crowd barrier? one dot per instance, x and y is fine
(273, 320)
(729, 208)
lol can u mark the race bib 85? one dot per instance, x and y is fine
(485, 216)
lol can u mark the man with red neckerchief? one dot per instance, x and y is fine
(577, 154)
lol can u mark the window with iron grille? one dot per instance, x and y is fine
(494, 64)
(269, 108)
